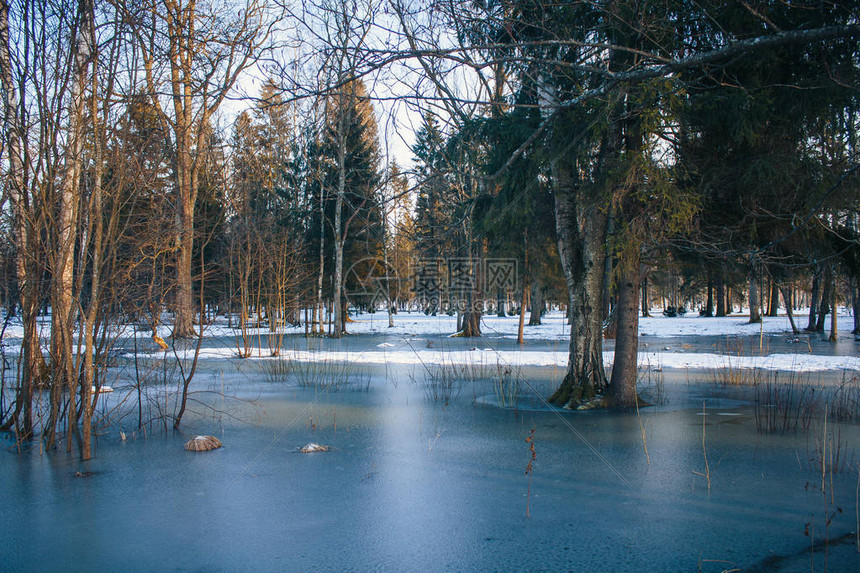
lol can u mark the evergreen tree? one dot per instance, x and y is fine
(345, 160)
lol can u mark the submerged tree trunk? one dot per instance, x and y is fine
(581, 229)
(834, 292)
(63, 310)
(622, 385)
(814, 298)
(824, 302)
(27, 262)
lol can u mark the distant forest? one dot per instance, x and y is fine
(695, 157)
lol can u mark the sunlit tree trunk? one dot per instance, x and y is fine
(63, 310)
(340, 194)
(26, 239)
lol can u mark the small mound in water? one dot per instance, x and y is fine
(203, 444)
(312, 447)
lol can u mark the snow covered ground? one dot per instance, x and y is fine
(409, 353)
(417, 339)
(555, 327)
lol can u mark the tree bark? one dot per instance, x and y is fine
(27, 261)
(645, 305)
(824, 301)
(709, 305)
(522, 319)
(581, 229)
(536, 303)
(754, 296)
(721, 298)
(855, 303)
(786, 297)
(773, 306)
(622, 385)
(834, 308)
(814, 298)
(337, 291)
(63, 310)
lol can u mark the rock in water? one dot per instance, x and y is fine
(203, 444)
(312, 447)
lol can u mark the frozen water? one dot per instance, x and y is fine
(413, 483)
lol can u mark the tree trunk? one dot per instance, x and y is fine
(622, 385)
(721, 298)
(709, 306)
(318, 323)
(471, 324)
(786, 297)
(834, 307)
(523, 302)
(339, 319)
(581, 246)
(855, 303)
(525, 289)
(607, 271)
(824, 301)
(27, 262)
(754, 296)
(63, 310)
(814, 298)
(536, 303)
(773, 306)
(645, 305)
(184, 324)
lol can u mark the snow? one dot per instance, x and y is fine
(693, 325)
(407, 354)
(417, 339)
(312, 447)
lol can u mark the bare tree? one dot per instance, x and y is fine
(193, 54)
(25, 233)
